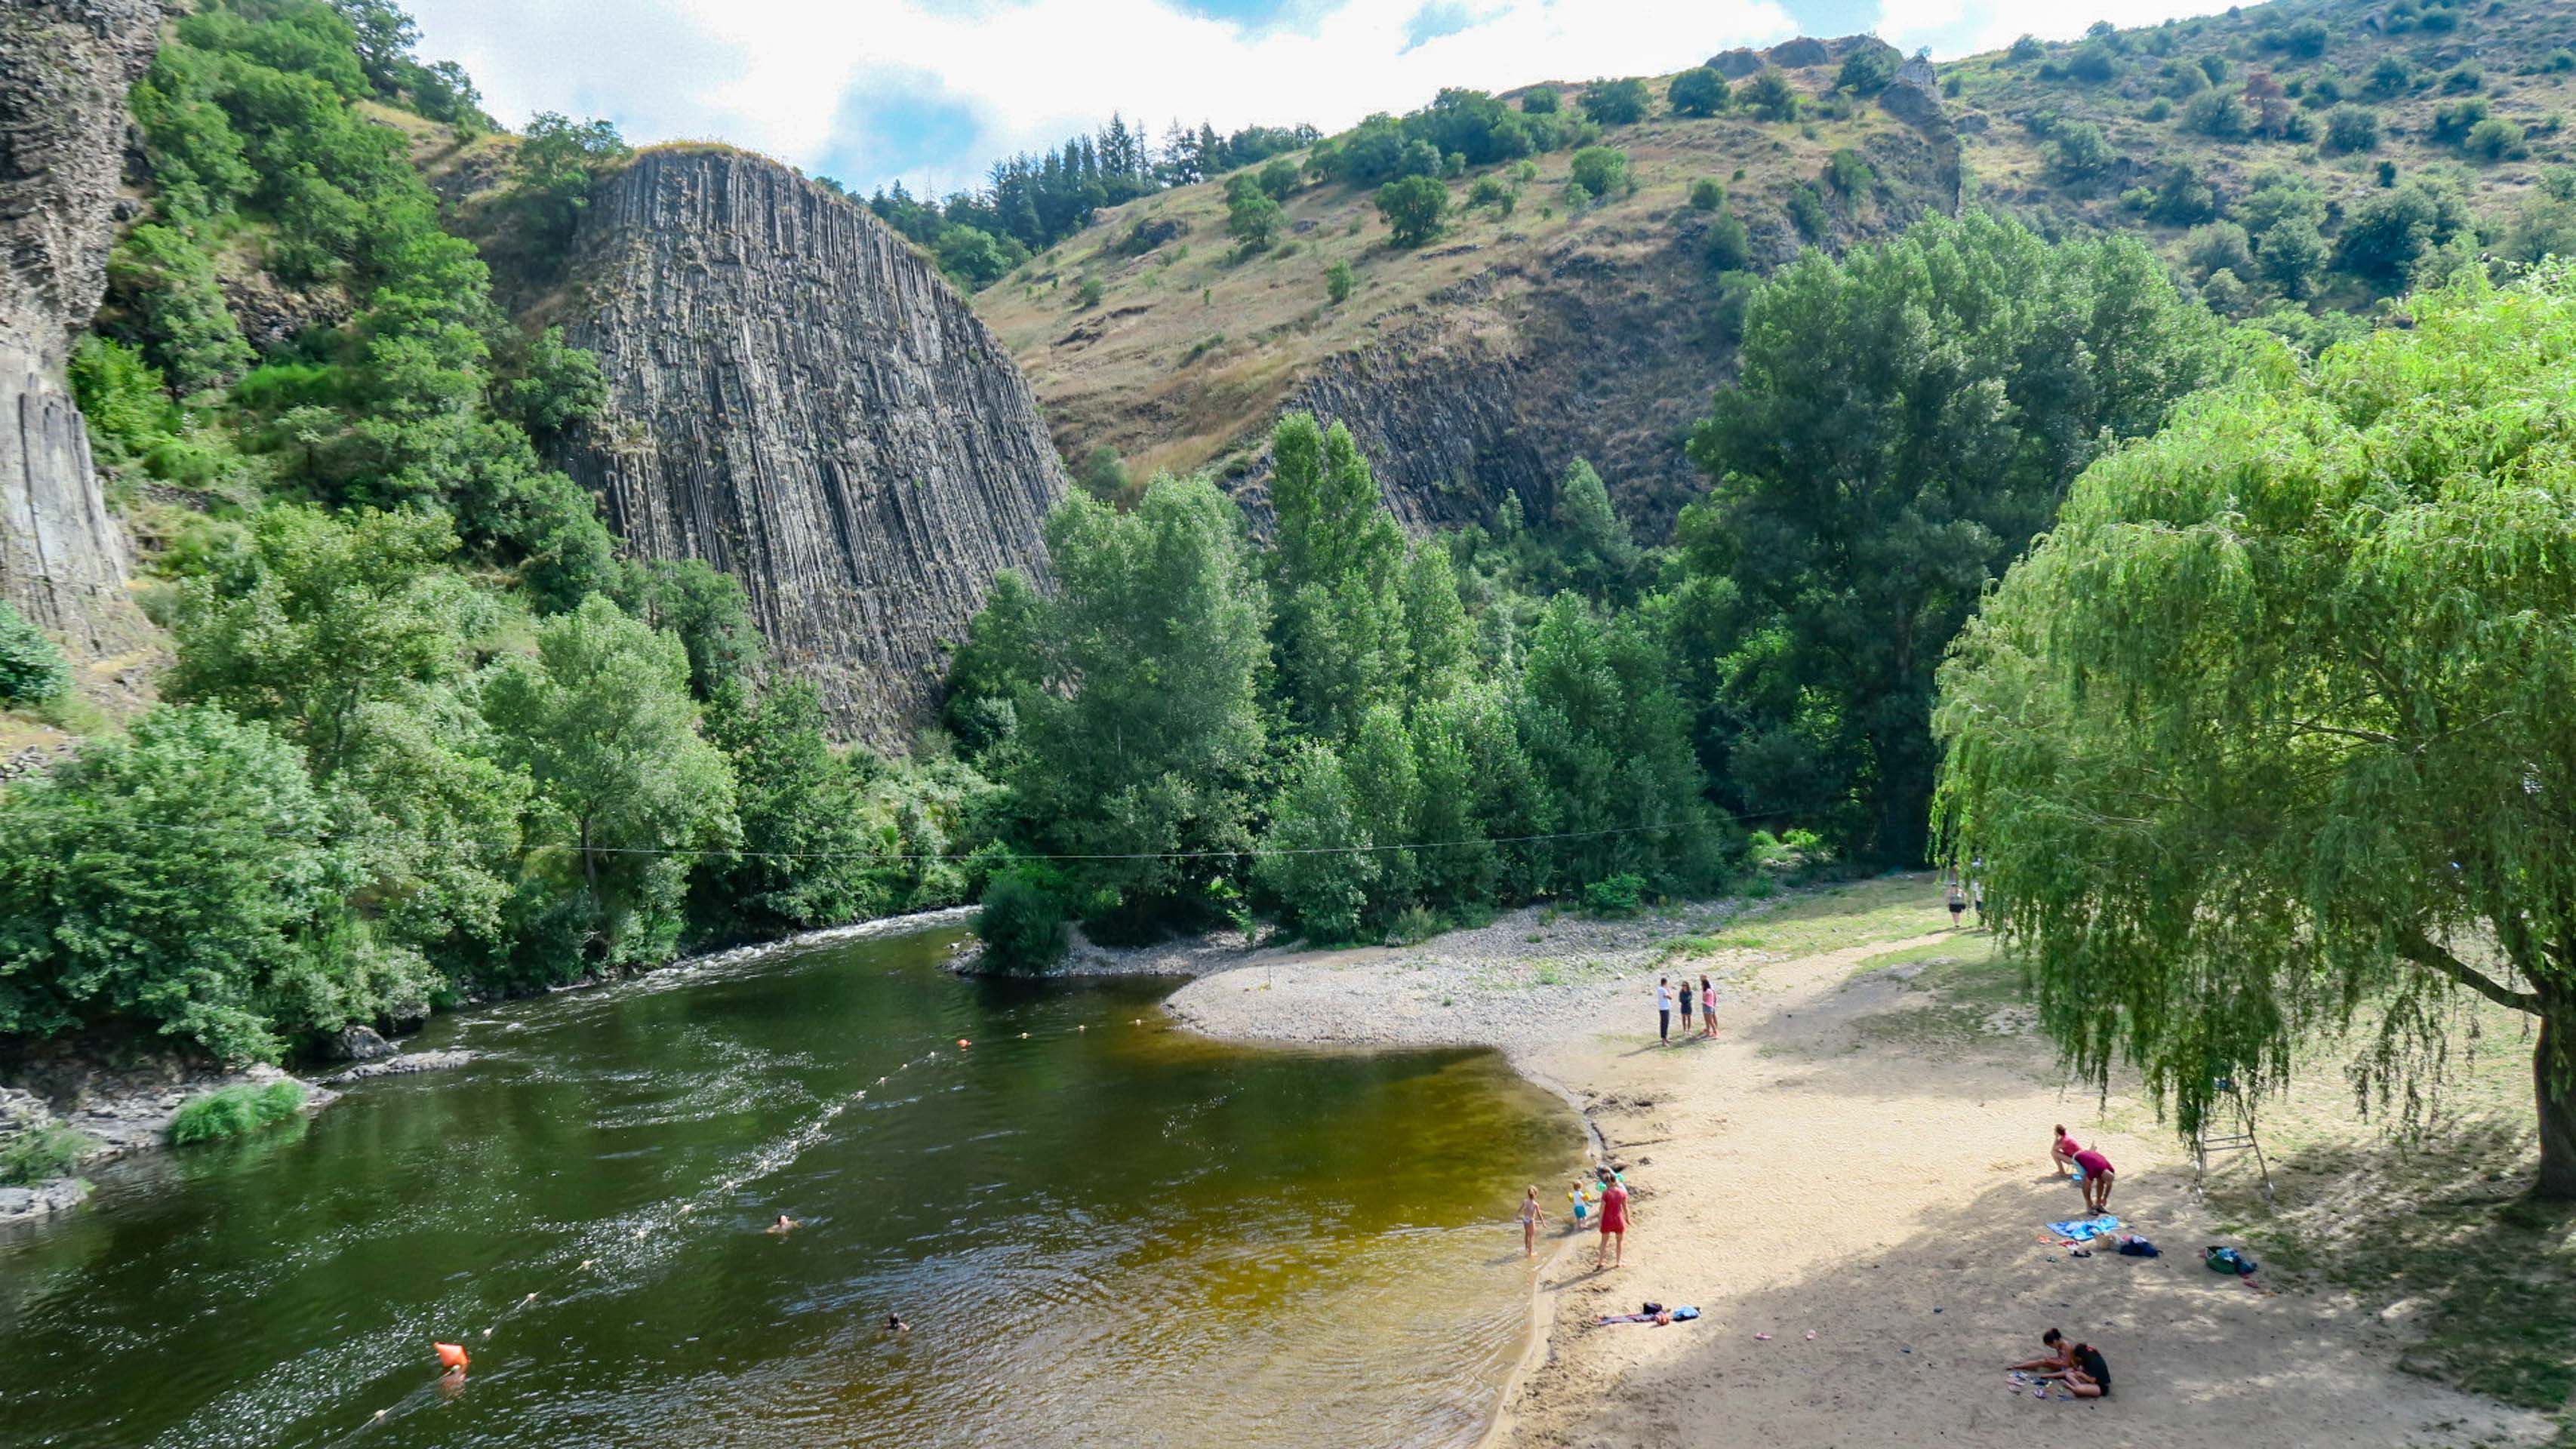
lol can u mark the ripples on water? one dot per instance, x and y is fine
(1111, 1235)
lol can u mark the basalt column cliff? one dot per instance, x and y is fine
(798, 398)
(64, 69)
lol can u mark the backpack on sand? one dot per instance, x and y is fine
(2228, 1260)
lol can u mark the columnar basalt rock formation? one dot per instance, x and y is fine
(64, 69)
(797, 397)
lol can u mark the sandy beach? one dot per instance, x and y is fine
(1850, 1182)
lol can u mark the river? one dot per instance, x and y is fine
(1108, 1231)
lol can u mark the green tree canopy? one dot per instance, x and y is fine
(1143, 725)
(1699, 91)
(601, 722)
(2274, 725)
(1413, 207)
(1907, 418)
(185, 877)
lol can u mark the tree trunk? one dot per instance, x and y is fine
(2554, 1076)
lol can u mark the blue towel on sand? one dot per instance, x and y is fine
(2085, 1230)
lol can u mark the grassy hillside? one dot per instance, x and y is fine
(1152, 335)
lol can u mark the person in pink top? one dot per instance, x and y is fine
(2097, 1179)
(2062, 1150)
(1614, 1222)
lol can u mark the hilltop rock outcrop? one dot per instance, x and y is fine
(65, 66)
(797, 397)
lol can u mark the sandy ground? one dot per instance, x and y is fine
(1871, 1203)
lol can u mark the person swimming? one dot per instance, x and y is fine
(894, 1324)
(785, 1224)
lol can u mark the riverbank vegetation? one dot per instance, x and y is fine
(236, 1111)
(425, 734)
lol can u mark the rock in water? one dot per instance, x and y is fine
(359, 1044)
(64, 69)
(797, 397)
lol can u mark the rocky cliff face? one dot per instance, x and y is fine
(65, 66)
(1607, 349)
(798, 398)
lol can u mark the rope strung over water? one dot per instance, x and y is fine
(675, 1212)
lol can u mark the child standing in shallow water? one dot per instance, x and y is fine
(1531, 1216)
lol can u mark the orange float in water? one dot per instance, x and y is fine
(451, 1355)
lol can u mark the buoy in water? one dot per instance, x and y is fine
(451, 1355)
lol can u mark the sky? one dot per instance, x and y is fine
(930, 92)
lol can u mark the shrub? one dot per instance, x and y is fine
(2561, 60)
(1769, 96)
(232, 1111)
(1022, 923)
(2158, 109)
(1337, 282)
(1807, 212)
(2078, 152)
(1615, 102)
(1600, 169)
(2495, 139)
(2093, 63)
(2463, 80)
(2026, 48)
(1620, 895)
(1541, 102)
(41, 1154)
(1706, 194)
(32, 670)
(2218, 114)
(1414, 925)
(1413, 207)
(2353, 128)
(1088, 295)
(2390, 77)
(1730, 246)
(2387, 174)
(1699, 91)
(1868, 69)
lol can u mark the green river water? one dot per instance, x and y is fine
(1105, 1233)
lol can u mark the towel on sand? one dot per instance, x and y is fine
(2085, 1230)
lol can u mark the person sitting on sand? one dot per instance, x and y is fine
(2063, 1149)
(2061, 1357)
(2089, 1377)
(2097, 1180)
(1614, 1221)
(1531, 1216)
(785, 1224)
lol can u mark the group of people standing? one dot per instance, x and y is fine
(1664, 1009)
(1606, 1195)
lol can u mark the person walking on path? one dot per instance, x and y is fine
(1707, 1010)
(1977, 898)
(1958, 902)
(1614, 1222)
(1664, 1008)
(1531, 1216)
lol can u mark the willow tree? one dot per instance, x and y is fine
(2272, 734)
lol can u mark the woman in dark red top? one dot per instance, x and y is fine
(1614, 1222)
(2097, 1179)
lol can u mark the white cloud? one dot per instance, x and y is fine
(775, 75)
(1967, 27)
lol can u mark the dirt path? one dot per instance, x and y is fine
(1820, 1170)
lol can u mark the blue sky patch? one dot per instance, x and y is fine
(902, 124)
